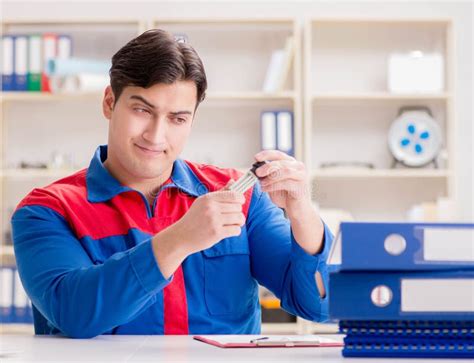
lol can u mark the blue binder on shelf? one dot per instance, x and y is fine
(15, 306)
(277, 131)
(268, 130)
(355, 346)
(20, 69)
(285, 132)
(21, 305)
(8, 52)
(431, 295)
(403, 246)
(6, 294)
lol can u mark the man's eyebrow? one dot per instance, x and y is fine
(149, 104)
(181, 113)
(140, 98)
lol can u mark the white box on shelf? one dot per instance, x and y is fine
(415, 72)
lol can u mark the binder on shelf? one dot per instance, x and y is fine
(6, 294)
(64, 50)
(279, 67)
(429, 295)
(50, 46)
(403, 246)
(8, 48)
(277, 131)
(20, 69)
(289, 52)
(285, 132)
(34, 63)
(20, 301)
(355, 346)
(268, 130)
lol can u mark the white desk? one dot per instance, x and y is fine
(129, 348)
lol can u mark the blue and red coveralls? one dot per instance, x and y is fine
(83, 250)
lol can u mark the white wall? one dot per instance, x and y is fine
(460, 11)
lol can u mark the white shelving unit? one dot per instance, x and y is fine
(348, 110)
(235, 53)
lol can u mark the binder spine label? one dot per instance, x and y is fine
(437, 295)
(435, 244)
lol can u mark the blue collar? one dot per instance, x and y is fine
(102, 186)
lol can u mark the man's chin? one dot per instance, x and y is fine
(150, 171)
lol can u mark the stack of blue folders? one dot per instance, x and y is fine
(404, 289)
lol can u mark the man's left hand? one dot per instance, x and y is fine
(285, 179)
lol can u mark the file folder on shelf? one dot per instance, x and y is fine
(435, 295)
(8, 50)
(20, 69)
(20, 301)
(407, 347)
(277, 131)
(285, 132)
(15, 306)
(268, 130)
(6, 294)
(34, 63)
(403, 246)
(50, 50)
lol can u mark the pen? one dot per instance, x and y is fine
(258, 339)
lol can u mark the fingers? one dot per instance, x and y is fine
(227, 196)
(296, 190)
(272, 155)
(233, 219)
(278, 167)
(230, 207)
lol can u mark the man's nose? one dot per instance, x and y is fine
(155, 133)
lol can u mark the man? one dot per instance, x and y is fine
(142, 242)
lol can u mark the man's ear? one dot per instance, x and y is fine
(108, 102)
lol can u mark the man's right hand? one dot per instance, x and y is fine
(211, 218)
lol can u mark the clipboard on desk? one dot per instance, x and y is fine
(270, 341)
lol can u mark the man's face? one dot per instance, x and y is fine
(149, 127)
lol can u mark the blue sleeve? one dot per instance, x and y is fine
(79, 298)
(281, 265)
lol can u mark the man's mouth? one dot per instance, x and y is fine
(150, 151)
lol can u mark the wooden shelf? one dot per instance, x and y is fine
(379, 173)
(71, 21)
(38, 96)
(17, 329)
(369, 96)
(224, 21)
(381, 20)
(7, 255)
(43, 96)
(250, 95)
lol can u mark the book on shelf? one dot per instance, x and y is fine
(279, 67)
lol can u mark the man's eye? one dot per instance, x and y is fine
(141, 110)
(181, 120)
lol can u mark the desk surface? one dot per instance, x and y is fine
(128, 348)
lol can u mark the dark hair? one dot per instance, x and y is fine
(156, 57)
